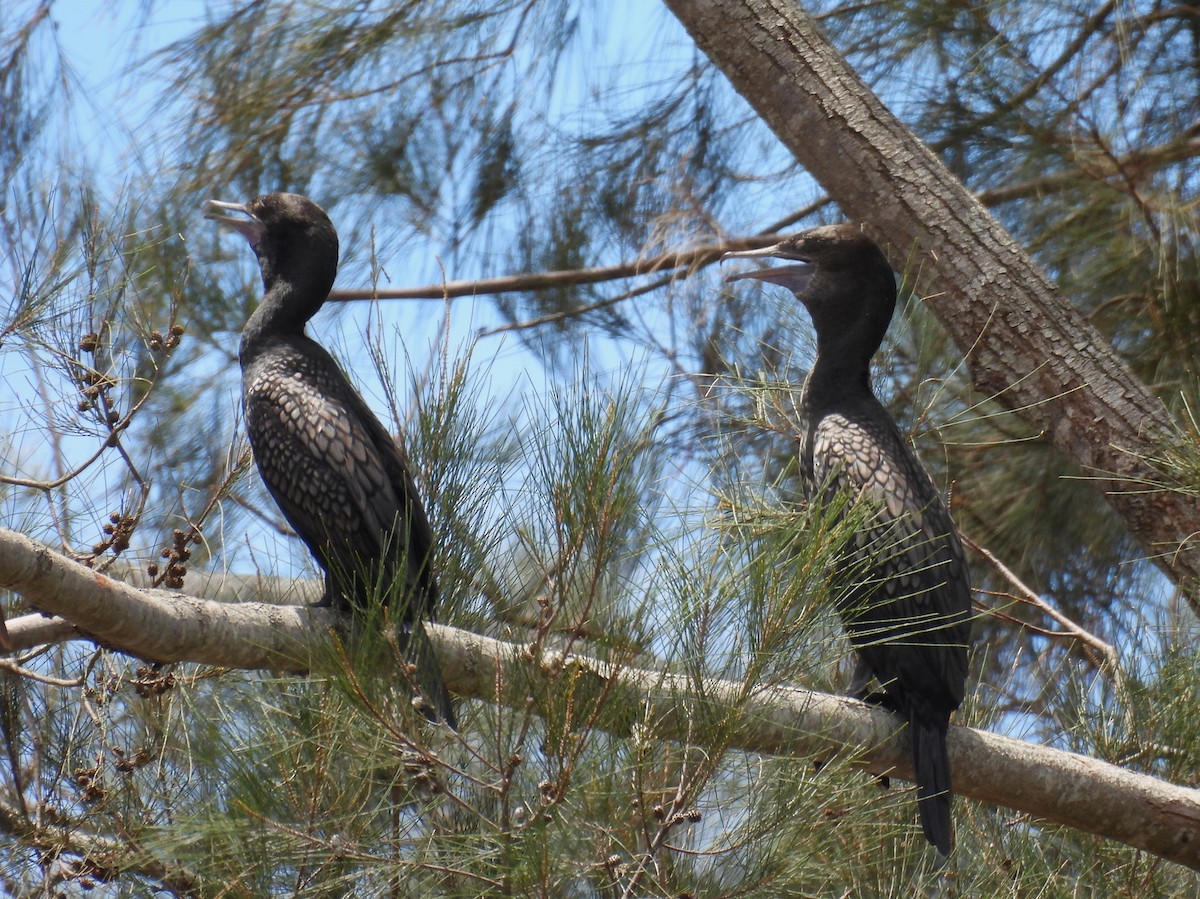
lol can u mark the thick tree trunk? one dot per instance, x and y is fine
(1025, 344)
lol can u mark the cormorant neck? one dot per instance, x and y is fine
(292, 295)
(850, 317)
(842, 369)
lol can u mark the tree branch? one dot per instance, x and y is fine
(155, 625)
(1025, 344)
(1101, 167)
(1096, 166)
(688, 259)
(693, 260)
(1061, 787)
(98, 856)
(1038, 81)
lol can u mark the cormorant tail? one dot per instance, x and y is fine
(932, 766)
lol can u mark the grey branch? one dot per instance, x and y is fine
(155, 625)
(1056, 786)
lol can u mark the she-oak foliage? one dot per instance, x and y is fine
(635, 502)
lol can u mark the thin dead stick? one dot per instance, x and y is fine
(1109, 660)
(686, 259)
(1106, 651)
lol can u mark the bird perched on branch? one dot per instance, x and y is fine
(904, 590)
(340, 479)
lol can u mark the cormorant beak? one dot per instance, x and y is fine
(250, 228)
(794, 277)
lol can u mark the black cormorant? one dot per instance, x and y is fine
(904, 587)
(340, 479)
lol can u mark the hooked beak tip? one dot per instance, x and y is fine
(250, 227)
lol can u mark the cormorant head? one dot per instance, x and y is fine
(294, 240)
(839, 274)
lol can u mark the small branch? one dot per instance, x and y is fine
(1099, 652)
(1044, 75)
(10, 667)
(34, 484)
(1107, 653)
(38, 630)
(689, 259)
(1096, 167)
(1141, 161)
(99, 856)
(551, 317)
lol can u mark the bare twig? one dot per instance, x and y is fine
(1101, 653)
(686, 259)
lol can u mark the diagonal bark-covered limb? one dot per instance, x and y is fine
(1026, 345)
(1061, 787)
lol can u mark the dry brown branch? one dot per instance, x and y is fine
(1100, 651)
(699, 257)
(686, 259)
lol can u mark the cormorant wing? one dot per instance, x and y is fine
(908, 562)
(339, 477)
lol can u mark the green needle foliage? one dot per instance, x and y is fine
(609, 464)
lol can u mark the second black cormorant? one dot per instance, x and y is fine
(904, 587)
(339, 477)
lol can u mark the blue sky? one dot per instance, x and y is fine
(118, 98)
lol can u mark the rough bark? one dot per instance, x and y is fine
(1061, 787)
(1025, 344)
